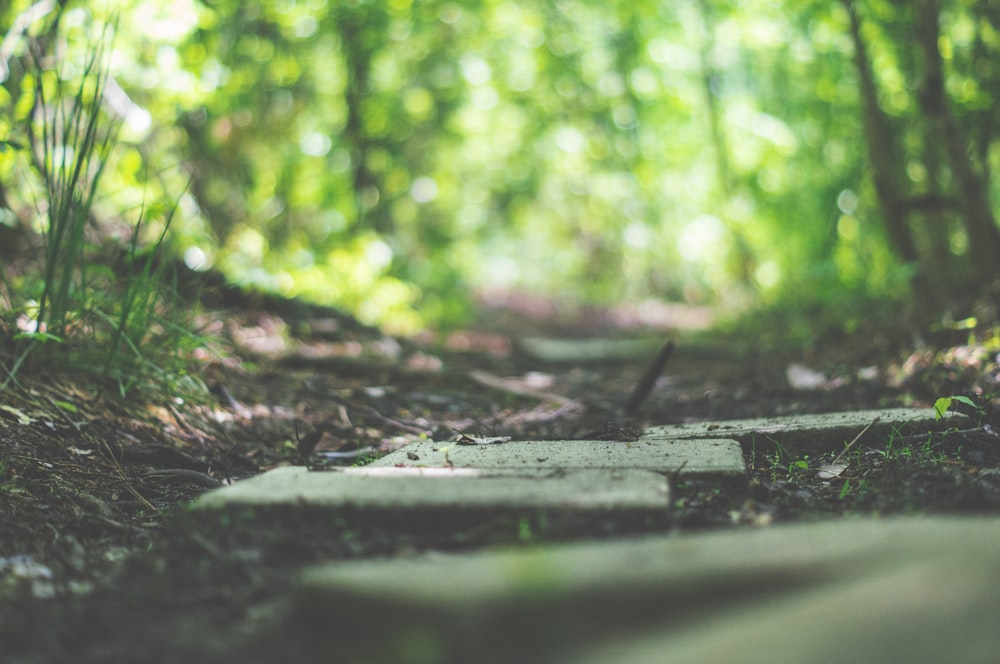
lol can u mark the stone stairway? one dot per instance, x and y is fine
(578, 475)
(852, 590)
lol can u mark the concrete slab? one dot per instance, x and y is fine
(921, 590)
(926, 611)
(691, 457)
(591, 349)
(824, 431)
(409, 488)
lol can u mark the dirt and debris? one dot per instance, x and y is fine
(100, 560)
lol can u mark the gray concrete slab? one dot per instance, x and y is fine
(590, 349)
(822, 431)
(442, 488)
(914, 590)
(691, 457)
(925, 611)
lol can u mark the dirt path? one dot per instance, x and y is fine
(99, 562)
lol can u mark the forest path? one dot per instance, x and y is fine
(102, 578)
(896, 586)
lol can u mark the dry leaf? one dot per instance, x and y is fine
(830, 470)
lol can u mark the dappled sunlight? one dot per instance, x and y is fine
(393, 159)
(650, 267)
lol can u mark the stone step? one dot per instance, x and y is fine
(822, 432)
(715, 456)
(624, 482)
(576, 475)
(911, 589)
(409, 489)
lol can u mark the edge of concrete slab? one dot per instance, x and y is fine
(823, 431)
(718, 457)
(405, 489)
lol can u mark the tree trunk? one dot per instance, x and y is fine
(933, 219)
(741, 257)
(355, 26)
(977, 216)
(882, 155)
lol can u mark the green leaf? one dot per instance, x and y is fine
(967, 401)
(941, 406)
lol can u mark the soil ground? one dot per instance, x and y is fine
(101, 561)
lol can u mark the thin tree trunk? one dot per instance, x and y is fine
(742, 255)
(882, 155)
(934, 220)
(973, 201)
(354, 25)
(934, 235)
(714, 114)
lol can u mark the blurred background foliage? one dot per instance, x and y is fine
(395, 157)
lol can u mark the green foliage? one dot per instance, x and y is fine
(829, 315)
(943, 405)
(75, 312)
(393, 157)
(524, 531)
(74, 151)
(365, 460)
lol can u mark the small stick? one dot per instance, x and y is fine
(645, 384)
(121, 475)
(512, 387)
(848, 447)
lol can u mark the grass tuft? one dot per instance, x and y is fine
(117, 320)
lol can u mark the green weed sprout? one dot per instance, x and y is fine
(942, 405)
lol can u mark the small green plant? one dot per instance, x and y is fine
(524, 530)
(895, 448)
(944, 404)
(855, 490)
(798, 465)
(75, 147)
(366, 459)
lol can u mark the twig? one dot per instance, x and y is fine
(184, 475)
(509, 386)
(645, 384)
(230, 400)
(675, 474)
(851, 444)
(985, 429)
(121, 475)
(391, 421)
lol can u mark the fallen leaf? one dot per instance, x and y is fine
(17, 413)
(830, 470)
(465, 439)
